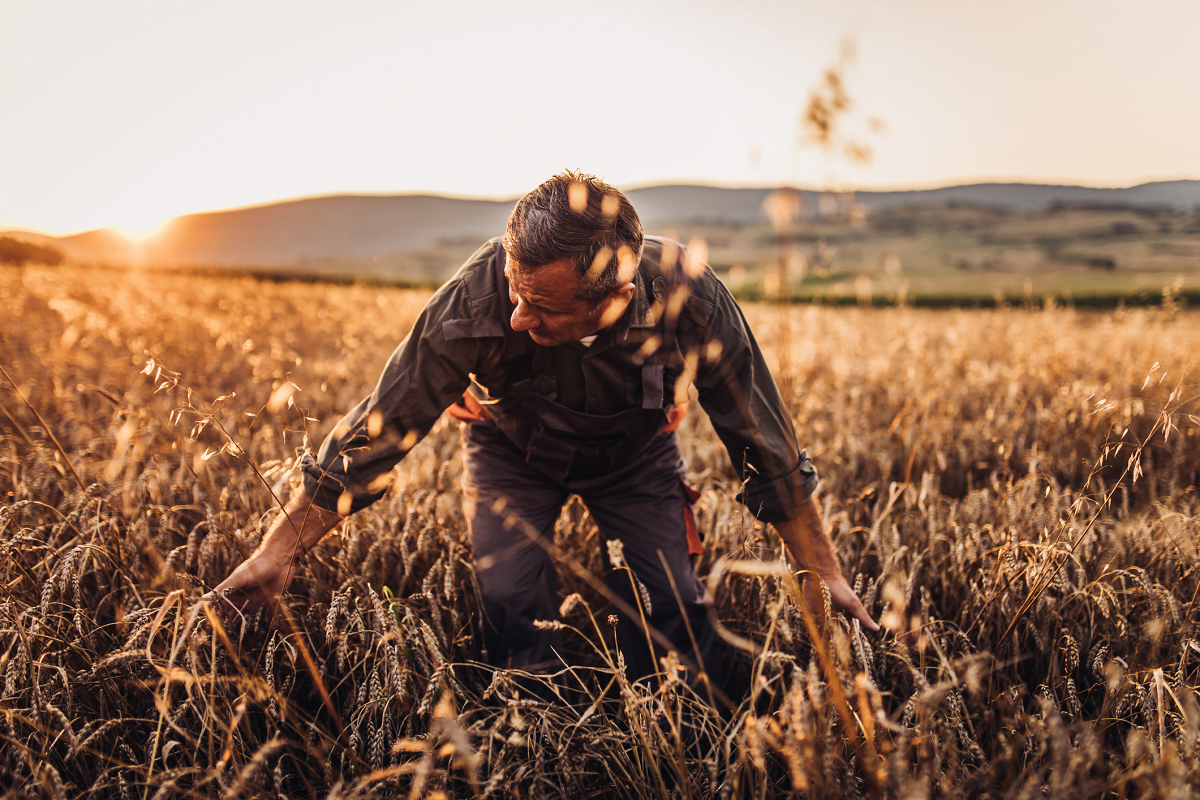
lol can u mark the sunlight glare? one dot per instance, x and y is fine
(140, 232)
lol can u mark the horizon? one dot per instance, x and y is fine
(149, 233)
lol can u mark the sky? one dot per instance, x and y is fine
(127, 113)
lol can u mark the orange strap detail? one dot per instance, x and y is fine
(695, 547)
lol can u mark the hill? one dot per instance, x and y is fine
(325, 227)
(423, 237)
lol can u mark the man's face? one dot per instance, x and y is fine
(548, 308)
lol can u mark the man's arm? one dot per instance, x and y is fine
(268, 571)
(754, 424)
(811, 549)
(353, 466)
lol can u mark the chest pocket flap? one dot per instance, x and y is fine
(472, 328)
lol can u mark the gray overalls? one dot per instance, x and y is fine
(527, 460)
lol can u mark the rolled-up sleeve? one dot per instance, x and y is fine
(741, 399)
(426, 373)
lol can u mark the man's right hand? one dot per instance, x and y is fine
(675, 416)
(257, 581)
(268, 572)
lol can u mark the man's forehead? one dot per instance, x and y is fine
(554, 282)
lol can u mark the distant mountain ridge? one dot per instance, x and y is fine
(296, 232)
(683, 203)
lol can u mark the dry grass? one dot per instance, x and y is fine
(979, 479)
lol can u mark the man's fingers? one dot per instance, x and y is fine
(674, 417)
(845, 600)
(852, 607)
(228, 604)
(468, 409)
(220, 605)
(863, 617)
(235, 601)
(460, 413)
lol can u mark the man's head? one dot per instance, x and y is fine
(573, 245)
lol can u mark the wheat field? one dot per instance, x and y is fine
(1012, 491)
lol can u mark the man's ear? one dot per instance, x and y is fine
(623, 294)
(615, 304)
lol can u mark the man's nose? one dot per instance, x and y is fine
(522, 318)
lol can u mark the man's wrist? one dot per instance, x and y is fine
(809, 544)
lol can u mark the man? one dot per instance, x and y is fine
(567, 348)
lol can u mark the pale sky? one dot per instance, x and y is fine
(127, 113)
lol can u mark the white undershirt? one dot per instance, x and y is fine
(588, 340)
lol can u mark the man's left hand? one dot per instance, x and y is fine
(468, 409)
(810, 547)
(841, 597)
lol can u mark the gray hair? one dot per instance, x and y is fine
(574, 216)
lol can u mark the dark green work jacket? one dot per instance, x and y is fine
(675, 326)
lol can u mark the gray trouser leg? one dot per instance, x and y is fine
(645, 508)
(517, 579)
